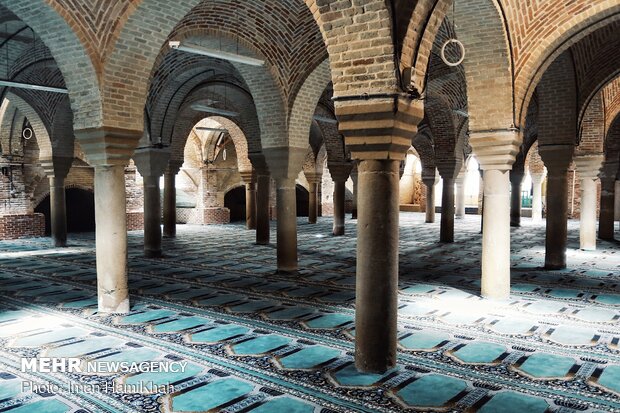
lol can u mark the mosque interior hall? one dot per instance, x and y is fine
(319, 206)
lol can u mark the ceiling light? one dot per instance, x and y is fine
(204, 108)
(19, 85)
(211, 129)
(219, 54)
(325, 119)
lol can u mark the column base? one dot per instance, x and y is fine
(286, 272)
(153, 253)
(553, 267)
(338, 231)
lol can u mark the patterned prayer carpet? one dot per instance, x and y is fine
(263, 343)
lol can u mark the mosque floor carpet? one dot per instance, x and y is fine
(259, 342)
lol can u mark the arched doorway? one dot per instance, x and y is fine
(234, 200)
(302, 201)
(80, 211)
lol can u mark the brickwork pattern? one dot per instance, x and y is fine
(22, 226)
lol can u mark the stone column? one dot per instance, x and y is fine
(58, 211)
(377, 265)
(249, 178)
(430, 179)
(446, 231)
(516, 178)
(496, 152)
(151, 163)
(588, 167)
(111, 239)
(608, 189)
(57, 168)
(354, 179)
(537, 180)
(287, 163)
(170, 198)
(314, 179)
(460, 194)
(262, 207)
(340, 174)
(617, 201)
(109, 150)
(557, 159)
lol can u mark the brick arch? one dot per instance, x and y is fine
(72, 53)
(418, 44)
(239, 140)
(129, 62)
(557, 97)
(347, 52)
(488, 56)
(535, 49)
(592, 132)
(40, 128)
(448, 143)
(611, 101)
(334, 142)
(187, 118)
(63, 137)
(305, 103)
(423, 144)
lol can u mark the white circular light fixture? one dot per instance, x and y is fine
(27, 133)
(443, 52)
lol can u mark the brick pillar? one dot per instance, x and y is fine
(496, 152)
(339, 173)
(557, 159)
(151, 163)
(588, 167)
(379, 157)
(110, 211)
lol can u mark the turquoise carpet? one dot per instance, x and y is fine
(258, 342)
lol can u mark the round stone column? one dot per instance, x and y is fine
(58, 211)
(606, 217)
(314, 180)
(339, 199)
(262, 208)
(496, 235)
(430, 182)
(446, 231)
(537, 180)
(516, 178)
(111, 239)
(152, 217)
(460, 196)
(588, 167)
(354, 203)
(170, 206)
(250, 205)
(287, 225)
(376, 302)
(557, 159)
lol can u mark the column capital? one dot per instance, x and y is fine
(609, 172)
(313, 177)
(537, 177)
(151, 161)
(430, 176)
(57, 166)
(285, 163)
(495, 149)
(379, 128)
(449, 168)
(259, 163)
(339, 171)
(108, 146)
(589, 166)
(248, 177)
(174, 166)
(557, 157)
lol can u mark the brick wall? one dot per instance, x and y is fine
(15, 226)
(135, 221)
